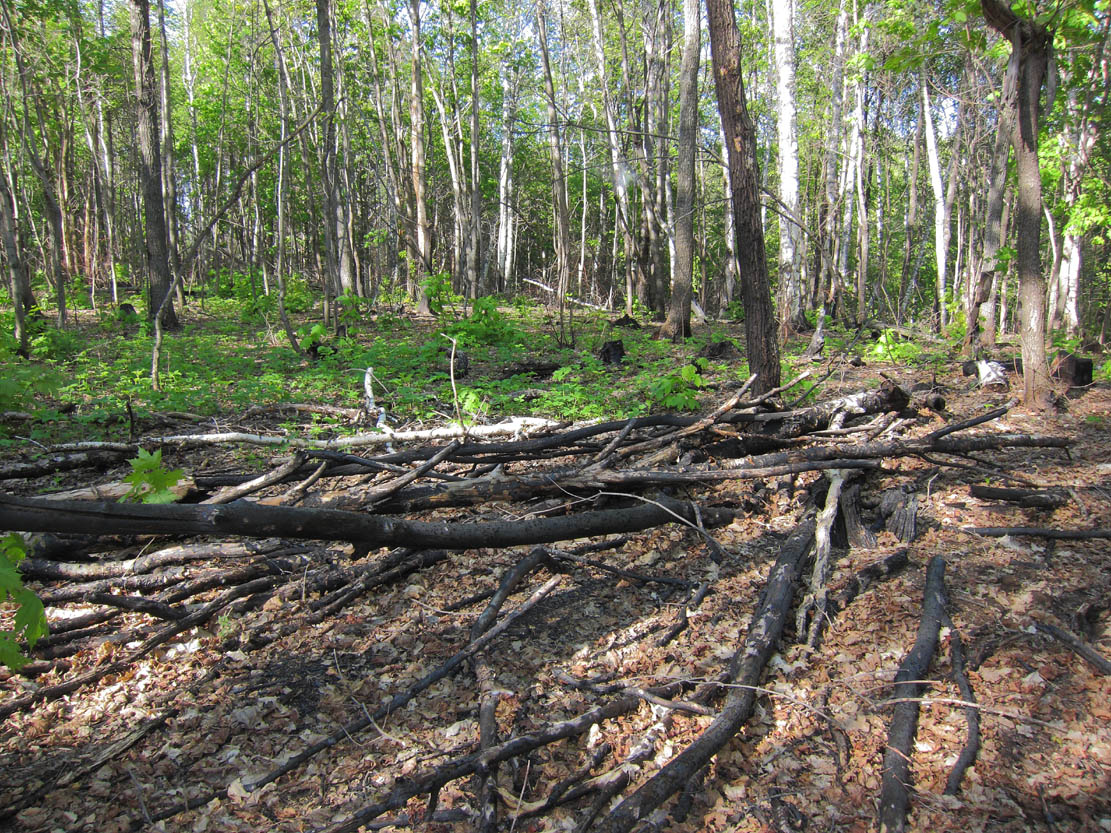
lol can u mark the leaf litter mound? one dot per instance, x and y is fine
(280, 681)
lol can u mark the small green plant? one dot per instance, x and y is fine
(312, 337)
(226, 627)
(679, 390)
(437, 288)
(890, 347)
(150, 483)
(1063, 341)
(486, 325)
(30, 618)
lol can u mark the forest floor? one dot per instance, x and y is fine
(203, 716)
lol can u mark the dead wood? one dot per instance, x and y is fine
(867, 576)
(745, 670)
(256, 484)
(795, 423)
(170, 577)
(1077, 645)
(811, 614)
(1024, 498)
(140, 605)
(1038, 532)
(899, 510)
(895, 791)
(399, 700)
(971, 746)
(118, 490)
(73, 774)
(252, 519)
(197, 617)
(40, 568)
(55, 463)
(513, 427)
(381, 493)
(860, 537)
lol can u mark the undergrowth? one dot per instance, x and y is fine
(93, 381)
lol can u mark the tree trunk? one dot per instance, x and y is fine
(740, 135)
(994, 223)
(17, 278)
(790, 236)
(678, 323)
(559, 181)
(621, 172)
(281, 191)
(1032, 43)
(150, 166)
(423, 232)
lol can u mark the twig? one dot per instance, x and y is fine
(1081, 648)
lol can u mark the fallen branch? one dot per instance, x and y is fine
(1038, 532)
(1024, 498)
(252, 519)
(197, 617)
(971, 715)
(895, 792)
(745, 669)
(514, 427)
(812, 611)
(1078, 646)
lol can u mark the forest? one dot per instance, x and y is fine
(582, 415)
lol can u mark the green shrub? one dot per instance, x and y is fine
(30, 618)
(679, 389)
(889, 347)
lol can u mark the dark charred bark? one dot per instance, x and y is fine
(744, 179)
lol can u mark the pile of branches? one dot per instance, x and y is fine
(594, 481)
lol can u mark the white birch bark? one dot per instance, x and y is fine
(790, 248)
(941, 236)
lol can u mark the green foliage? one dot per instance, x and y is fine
(350, 310)
(1103, 372)
(22, 381)
(486, 325)
(53, 344)
(679, 390)
(1063, 341)
(437, 288)
(957, 328)
(30, 618)
(150, 482)
(889, 347)
(311, 337)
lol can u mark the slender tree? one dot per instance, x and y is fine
(1031, 41)
(678, 323)
(740, 142)
(150, 166)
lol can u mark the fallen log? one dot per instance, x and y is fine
(254, 520)
(1024, 498)
(895, 791)
(745, 669)
(54, 463)
(1038, 532)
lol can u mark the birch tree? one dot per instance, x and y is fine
(790, 238)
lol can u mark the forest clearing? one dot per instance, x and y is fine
(615, 416)
(260, 673)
